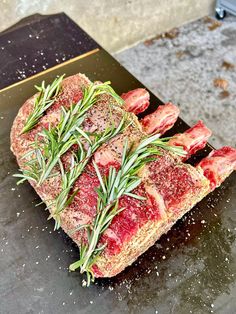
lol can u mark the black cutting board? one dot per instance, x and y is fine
(189, 270)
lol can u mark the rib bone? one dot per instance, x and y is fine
(136, 100)
(193, 139)
(160, 120)
(218, 165)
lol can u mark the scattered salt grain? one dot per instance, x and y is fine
(36, 263)
(71, 292)
(212, 305)
(17, 215)
(203, 221)
(119, 297)
(163, 257)
(13, 189)
(91, 302)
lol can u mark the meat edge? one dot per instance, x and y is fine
(145, 237)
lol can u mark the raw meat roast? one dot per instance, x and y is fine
(169, 186)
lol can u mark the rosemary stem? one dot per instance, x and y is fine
(91, 248)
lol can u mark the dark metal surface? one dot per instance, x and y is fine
(189, 270)
(39, 42)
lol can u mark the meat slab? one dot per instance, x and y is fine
(170, 187)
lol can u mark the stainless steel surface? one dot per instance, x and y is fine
(225, 5)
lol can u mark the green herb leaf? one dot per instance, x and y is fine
(43, 101)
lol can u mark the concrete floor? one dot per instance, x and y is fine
(188, 68)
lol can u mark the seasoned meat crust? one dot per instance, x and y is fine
(170, 187)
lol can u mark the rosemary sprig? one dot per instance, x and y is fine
(43, 157)
(33, 170)
(43, 101)
(56, 141)
(118, 183)
(78, 162)
(75, 116)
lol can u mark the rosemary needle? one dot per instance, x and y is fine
(42, 102)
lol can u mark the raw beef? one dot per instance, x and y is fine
(170, 187)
